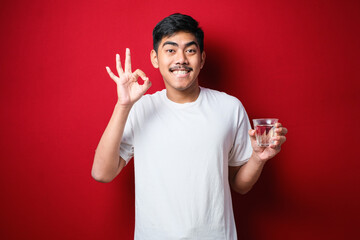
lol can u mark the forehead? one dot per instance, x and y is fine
(180, 38)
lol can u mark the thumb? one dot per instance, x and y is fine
(147, 84)
(252, 134)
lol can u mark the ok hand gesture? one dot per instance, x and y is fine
(128, 88)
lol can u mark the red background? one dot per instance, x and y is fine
(295, 60)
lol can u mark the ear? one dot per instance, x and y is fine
(203, 56)
(154, 59)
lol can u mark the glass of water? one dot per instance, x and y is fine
(264, 130)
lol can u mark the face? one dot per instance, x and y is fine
(179, 60)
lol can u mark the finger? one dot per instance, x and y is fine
(146, 85)
(251, 132)
(278, 131)
(281, 131)
(118, 65)
(111, 74)
(252, 135)
(275, 146)
(278, 140)
(284, 131)
(127, 61)
(140, 73)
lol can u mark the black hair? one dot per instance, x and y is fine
(176, 23)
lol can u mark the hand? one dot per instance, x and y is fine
(128, 88)
(265, 153)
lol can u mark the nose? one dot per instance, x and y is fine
(181, 58)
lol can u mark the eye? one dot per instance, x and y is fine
(191, 51)
(170, 50)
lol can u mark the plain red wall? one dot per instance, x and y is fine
(295, 60)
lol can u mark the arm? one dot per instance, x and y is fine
(243, 178)
(107, 163)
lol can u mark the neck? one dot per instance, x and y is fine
(183, 96)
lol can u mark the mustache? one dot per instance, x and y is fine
(180, 67)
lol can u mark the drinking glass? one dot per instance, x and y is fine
(264, 130)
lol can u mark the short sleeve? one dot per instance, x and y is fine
(126, 150)
(241, 150)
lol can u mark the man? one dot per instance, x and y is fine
(190, 144)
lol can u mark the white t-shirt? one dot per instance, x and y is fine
(182, 153)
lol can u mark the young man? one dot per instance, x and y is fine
(190, 144)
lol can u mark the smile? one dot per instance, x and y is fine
(178, 72)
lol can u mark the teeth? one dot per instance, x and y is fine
(180, 72)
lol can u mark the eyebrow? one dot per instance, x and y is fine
(177, 45)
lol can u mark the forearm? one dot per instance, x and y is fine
(248, 175)
(243, 178)
(106, 161)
